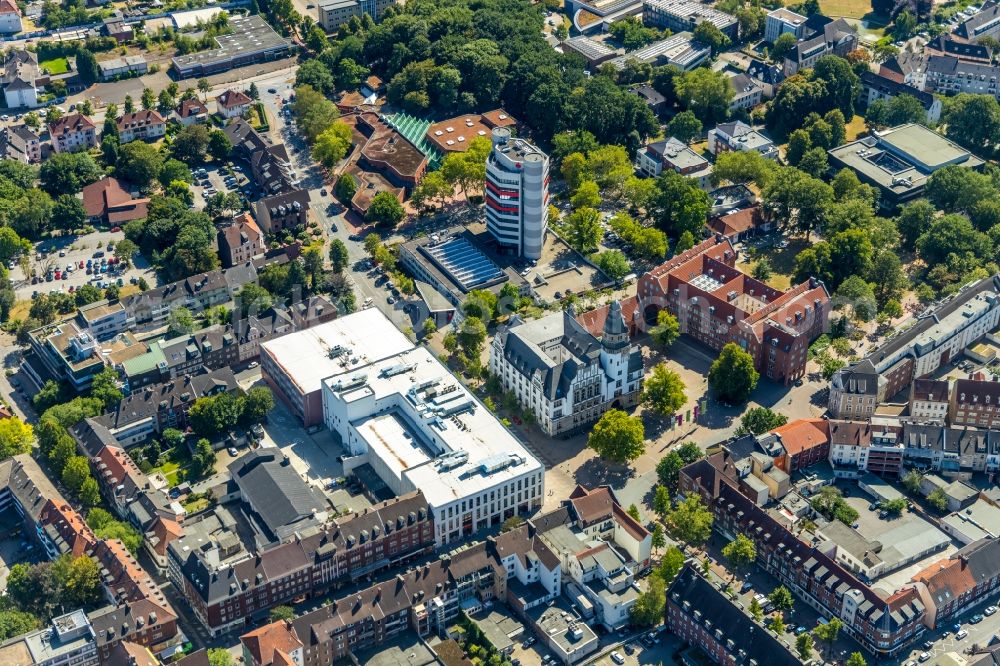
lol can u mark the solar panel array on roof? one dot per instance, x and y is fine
(465, 262)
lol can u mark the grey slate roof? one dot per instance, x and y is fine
(705, 605)
(168, 396)
(575, 349)
(271, 485)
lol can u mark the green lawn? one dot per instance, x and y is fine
(55, 66)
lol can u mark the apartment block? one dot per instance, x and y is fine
(72, 133)
(231, 585)
(940, 334)
(884, 624)
(143, 125)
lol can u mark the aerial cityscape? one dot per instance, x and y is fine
(499, 333)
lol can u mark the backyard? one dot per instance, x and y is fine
(846, 8)
(782, 259)
(55, 66)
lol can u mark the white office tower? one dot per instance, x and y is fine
(517, 194)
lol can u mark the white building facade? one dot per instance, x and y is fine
(517, 195)
(411, 423)
(563, 374)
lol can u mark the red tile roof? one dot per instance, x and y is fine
(593, 320)
(267, 642)
(141, 118)
(191, 107)
(947, 576)
(9, 7)
(233, 98)
(108, 198)
(803, 434)
(73, 122)
(738, 222)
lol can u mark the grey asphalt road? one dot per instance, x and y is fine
(325, 209)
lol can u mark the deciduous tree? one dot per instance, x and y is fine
(617, 437)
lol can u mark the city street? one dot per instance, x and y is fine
(325, 209)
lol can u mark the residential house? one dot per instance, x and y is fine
(766, 75)
(737, 135)
(824, 37)
(10, 17)
(699, 614)
(746, 93)
(974, 403)
(884, 624)
(930, 400)
(803, 442)
(677, 155)
(240, 241)
(229, 588)
(949, 75)
(191, 111)
(939, 335)
(949, 46)
(984, 23)
(877, 87)
(288, 210)
(656, 102)
(232, 104)
(106, 201)
(144, 125)
(22, 79)
(19, 142)
(269, 164)
(951, 586)
(152, 409)
(72, 133)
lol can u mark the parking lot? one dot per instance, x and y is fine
(56, 254)
(215, 178)
(13, 547)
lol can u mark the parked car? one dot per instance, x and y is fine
(617, 657)
(990, 610)
(923, 657)
(253, 364)
(232, 451)
(961, 634)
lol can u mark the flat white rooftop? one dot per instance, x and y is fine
(427, 429)
(342, 345)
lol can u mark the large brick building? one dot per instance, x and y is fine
(883, 625)
(716, 303)
(227, 587)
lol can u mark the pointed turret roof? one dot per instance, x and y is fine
(615, 324)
